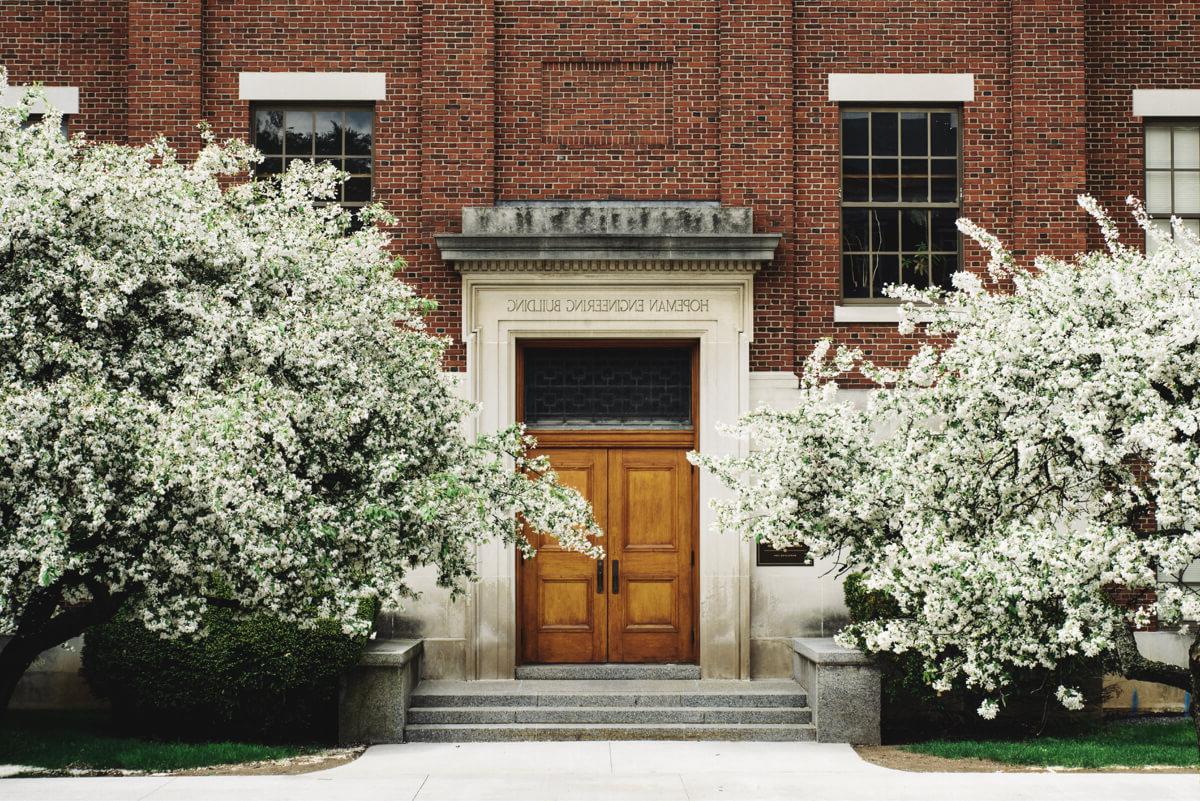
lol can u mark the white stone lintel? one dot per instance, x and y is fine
(880, 313)
(1166, 102)
(63, 98)
(874, 87)
(285, 86)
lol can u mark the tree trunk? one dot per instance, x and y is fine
(1194, 665)
(15, 659)
(40, 628)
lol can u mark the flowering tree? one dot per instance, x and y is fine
(994, 489)
(211, 391)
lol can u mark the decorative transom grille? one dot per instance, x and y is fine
(608, 387)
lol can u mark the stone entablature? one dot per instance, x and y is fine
(699, 235)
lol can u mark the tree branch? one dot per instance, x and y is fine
(1129, 662)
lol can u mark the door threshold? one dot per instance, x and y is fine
(606, 671)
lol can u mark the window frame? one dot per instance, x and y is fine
(899, 108)
(315, 106)
(1171, 123)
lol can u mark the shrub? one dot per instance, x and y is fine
(912, 709)
(251, 677)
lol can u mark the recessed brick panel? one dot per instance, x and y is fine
(606, 103)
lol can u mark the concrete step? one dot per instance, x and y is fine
(608, 672)
(611, 693)
(610, 699)
(503, 732)
(605, 715)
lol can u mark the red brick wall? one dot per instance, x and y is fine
(649, 100)
(661, 146)
(165, 83)
(71, 43)
(875, 36)
(1153, 44)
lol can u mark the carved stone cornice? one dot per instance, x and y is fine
(605, 266)
(698, 252)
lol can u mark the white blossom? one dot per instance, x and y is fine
(211, 388)
(1069, 697)
(990, 486)
(988, 709)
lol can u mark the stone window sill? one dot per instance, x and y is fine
(882, 313)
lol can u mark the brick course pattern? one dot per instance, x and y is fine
(500, 100)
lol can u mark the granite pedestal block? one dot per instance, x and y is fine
(843, 690)
(375, 694)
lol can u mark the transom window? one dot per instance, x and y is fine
(607, 387)
(1173, 173)
(900, 199)
(339, 135)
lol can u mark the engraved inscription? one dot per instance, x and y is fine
(578, 306)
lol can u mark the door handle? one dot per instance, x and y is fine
(616, 571)
(600, 575)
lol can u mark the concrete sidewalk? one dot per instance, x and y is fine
(614, 771)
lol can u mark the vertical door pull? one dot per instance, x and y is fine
(600, 575)
(616, 571)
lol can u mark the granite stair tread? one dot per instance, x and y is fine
(450, 732)
(620, 714)
(621, 709)
(631, 672)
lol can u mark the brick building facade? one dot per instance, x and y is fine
(541, 117)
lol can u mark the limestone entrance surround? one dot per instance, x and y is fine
(612, 270)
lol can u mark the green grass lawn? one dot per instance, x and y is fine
(86, 741)
(1171, 742)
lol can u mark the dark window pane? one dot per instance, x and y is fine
(914, 184)
(329, 133)
(856, 276)
(337, 163)
(855, 166)
(854, 133)
(943, 166)
(597, 387)
(854, 190)
(885, 180)
(944, 266)
(358, 166)
(854, 229)
(268, 131)
(885, 230)
(914, 133)
(884, 133)
(943, 190)
(943, 231)
(272, 166)
(358, 190)
(944, 133)
(915, 270)
(887, 271)
(914, 229)
(299, 133)
(358, 133)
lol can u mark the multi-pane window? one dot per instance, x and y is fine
(900, 199)
(613, 387)
(339, 135)
(1173, 173)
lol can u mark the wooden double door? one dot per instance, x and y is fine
(636, 604)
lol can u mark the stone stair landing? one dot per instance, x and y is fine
(608, 709)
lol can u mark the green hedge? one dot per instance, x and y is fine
(250, 677)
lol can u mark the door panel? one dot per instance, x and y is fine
(649, 543)
(563, 606)
(642, 611)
